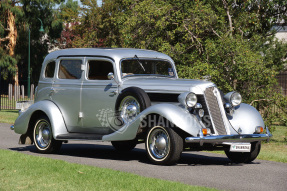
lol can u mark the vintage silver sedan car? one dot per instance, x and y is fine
(132, 96)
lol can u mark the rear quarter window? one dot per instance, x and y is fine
(50, 69)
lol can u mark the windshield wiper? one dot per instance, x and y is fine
(136, 57)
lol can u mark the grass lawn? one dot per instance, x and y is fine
(8, 116)
(276, 149)
(25, 172)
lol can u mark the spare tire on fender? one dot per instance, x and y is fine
(131, 102)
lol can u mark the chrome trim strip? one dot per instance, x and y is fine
(228, 138)
(96, 56)
(223, 113)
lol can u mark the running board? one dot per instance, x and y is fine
(79, 136)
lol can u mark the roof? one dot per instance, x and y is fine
(114, 53)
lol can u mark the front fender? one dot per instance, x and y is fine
(50, 109)
(247, 118)
(176, 115)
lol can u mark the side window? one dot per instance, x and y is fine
(98, 70)
(70, 69)
(50, 69)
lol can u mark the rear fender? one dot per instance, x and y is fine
(175, 114)
(50, 109)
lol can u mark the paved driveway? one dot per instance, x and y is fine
(195, 168)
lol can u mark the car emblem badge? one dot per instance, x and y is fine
(215, 92)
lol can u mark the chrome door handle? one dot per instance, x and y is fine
(52, 90)
(114, 92)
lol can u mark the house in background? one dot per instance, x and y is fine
(281, 32)
(282, 77)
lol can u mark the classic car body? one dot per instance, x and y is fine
(71, 104)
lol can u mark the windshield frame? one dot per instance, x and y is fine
(148, 75)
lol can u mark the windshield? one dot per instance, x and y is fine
(140, 67)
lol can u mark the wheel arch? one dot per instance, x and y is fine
(24, 123)
(32, 121)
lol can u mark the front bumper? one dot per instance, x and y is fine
(201, 139)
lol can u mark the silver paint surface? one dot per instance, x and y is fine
(247, 118)
(50, 109)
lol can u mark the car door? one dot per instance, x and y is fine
(66, 91)
(98, 95)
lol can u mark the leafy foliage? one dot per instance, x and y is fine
(233, 42)
(26, 17)
(230, 41)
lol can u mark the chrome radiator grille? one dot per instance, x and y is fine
(214, 111)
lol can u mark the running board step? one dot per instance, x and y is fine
(80, 136)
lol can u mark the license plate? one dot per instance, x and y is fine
(240, 147)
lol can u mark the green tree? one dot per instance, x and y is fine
(40, 42)
(17, 17)
(230, 41)
(11, 14)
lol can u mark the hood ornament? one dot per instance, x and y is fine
(239, 130)
(206, 78)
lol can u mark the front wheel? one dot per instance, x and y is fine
(244, 157)
(163, 145)
(43, 136)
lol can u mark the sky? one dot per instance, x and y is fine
(99, 2)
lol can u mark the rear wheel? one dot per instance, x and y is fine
(163, 145)
(43, 136)
(243, 157)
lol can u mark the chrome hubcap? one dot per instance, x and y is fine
(43, 134)
(129, 109)
(158, 143)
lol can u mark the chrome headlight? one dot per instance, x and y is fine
(191, 100)
(234, 98)
(187, 99)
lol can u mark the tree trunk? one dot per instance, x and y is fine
(12, 36)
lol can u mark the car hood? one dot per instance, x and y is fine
(167, 85)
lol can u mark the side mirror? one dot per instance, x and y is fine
(110, 76)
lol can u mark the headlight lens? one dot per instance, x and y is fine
(191, 100)
(236, 99)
